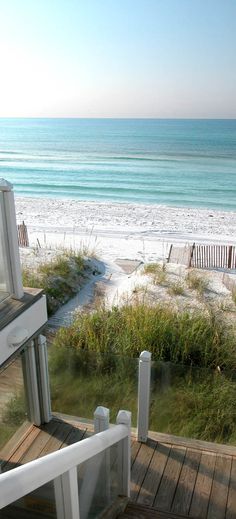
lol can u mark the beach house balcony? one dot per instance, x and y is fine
(53, 465)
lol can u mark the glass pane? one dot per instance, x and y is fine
(82, 380)
(40, 503)
(192, 402)
(98, 482)
(13, 409)
(4, 272)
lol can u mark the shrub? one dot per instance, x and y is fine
(197, 282)
(176, 289)
(60, 279)
(157, 271)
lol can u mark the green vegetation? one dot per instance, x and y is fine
(196, 404)
(15, 412)
(191, 338)
(60, 279)
(157, 271)
(94, 362)
(13, 415)
(234, 296)
(176, 289)
(197, 282)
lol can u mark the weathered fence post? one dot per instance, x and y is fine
(23, 239)
(124, 454)
(230, 257)
(191, 255)
(144, 395)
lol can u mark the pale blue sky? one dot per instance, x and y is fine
(118, 58)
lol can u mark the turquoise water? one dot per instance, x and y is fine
(173, 162)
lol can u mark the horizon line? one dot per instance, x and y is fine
(125, 118)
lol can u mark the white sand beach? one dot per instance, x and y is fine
(121, 230)
(116, 232)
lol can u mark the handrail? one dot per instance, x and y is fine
(22, 480)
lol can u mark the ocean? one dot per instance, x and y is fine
(189, 163)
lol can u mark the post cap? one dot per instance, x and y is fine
(145, 356)
(101, 412)
(124, 417)
(5, 185)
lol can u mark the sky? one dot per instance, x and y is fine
(118, 58)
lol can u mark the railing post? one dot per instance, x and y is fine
(12, 239)
(144, 395)
(31, 383)
(43, 378)
(96, 478)
(101, 419)
(124, 454)
(67, 496)
(102, 423)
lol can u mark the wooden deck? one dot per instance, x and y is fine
(173, 476)
(31, 442)
(186, 477)
(11, 308)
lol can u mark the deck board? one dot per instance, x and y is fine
(231, 505)
(203, 486)
(12, 308)
(153, 475)
(219, 491)
(167, 488)
(139, 468)
(176, 478)
(186, 483)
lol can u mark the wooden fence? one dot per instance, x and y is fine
(213, 256)
(23, 239)
(204, 256)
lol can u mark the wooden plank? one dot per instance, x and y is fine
(169, 255)
(166, 491)
(140, 467)
(231, 504)
(57, 439)
(186, 483)
(143, 512)
(219, 491)
(39, 442)
(203, 486)
(197, 256)
(230, 257)
(214, 256)
(12, 308)
(154, 474)
(135, 447)
(12, 445)
(15, 459)
(194, 444)
(75, 435)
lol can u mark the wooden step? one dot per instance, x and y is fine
(144, 512)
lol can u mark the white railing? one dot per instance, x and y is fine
(61, 466)
(144, 380)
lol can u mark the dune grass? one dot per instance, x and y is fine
(176, 289)
(192, 338)
(197, 282)
(94, 362)
(157, 272)
(60, 278)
